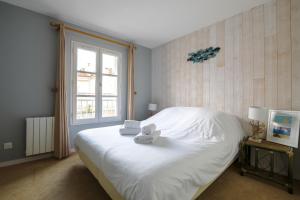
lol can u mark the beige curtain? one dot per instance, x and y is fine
(131, 92)
(61, 134)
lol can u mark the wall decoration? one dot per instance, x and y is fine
(283, 127)
(203, 54)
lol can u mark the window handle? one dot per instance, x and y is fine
(100, 84)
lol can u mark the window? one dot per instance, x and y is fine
(95, 84)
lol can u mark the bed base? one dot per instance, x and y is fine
(108, 186)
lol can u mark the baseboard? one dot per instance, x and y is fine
(30, 159)
(24, 160)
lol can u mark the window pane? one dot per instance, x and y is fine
(109, 107)
(86, 60)
(86, 108)
(109, 64)
(109, 85)
(86, 83)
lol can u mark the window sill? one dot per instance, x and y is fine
(114, 121)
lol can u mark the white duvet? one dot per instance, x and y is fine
(196, 146)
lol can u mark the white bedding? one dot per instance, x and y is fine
(196, 146)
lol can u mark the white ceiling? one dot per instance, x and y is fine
(146, 22)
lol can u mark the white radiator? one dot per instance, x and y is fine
(39, 135)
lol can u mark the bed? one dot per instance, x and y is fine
(195, 147)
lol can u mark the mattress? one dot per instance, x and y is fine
(196, 146)
(108, 186)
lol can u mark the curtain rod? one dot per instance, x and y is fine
(56, 25)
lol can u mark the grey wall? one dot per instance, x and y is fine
(142, 77)
(28, 61)
(28, 51)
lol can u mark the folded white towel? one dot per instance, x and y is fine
(132, 124)
(147, 139)
(129, 131)
(149, 129)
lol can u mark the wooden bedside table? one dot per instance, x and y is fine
(272, 148)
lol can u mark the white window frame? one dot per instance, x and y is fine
(119, 92)
(98, 87)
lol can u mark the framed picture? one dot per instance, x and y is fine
(283, 127)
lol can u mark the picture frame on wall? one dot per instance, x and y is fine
(283, 127)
